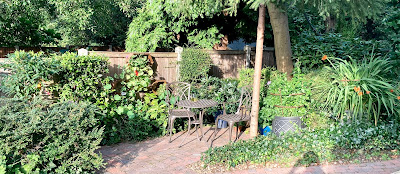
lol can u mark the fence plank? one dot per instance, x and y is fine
(226, 63)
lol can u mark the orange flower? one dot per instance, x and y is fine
(398, 97)
(357, 88)
(360, 93)
(324, 57)
(391, 90)
(368, 92)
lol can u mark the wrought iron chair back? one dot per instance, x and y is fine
(179, 91)
(244, 107)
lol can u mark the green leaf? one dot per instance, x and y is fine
(107, 86)
(117, 97)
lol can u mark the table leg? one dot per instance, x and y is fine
(201, 123)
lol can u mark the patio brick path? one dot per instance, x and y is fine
(160, 157)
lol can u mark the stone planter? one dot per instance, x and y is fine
(285, 124)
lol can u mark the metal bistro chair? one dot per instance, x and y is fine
(178, 91)
(242, 113)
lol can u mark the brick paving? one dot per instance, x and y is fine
(160, 157)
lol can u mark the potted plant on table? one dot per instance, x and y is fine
(286, 102)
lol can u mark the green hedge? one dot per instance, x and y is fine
(38, 138)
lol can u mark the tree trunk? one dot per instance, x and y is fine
(257, 71)
(280, 28)
(330, 23)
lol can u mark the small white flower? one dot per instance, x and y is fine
(123, 93)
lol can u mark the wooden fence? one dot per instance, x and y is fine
(4, 51)
(226, 63)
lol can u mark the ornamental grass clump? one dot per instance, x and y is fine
(359, 90)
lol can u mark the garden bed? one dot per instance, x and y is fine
(354, 143)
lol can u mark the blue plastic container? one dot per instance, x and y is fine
(265, 131)
(221, 123)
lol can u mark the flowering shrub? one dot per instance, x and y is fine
(359, 90)
(138, 75)
(28, 72)
(127, 116)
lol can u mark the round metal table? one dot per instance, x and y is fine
(199, 104)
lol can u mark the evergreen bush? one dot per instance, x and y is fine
(40, 138)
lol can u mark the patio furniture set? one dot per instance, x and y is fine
(181, 102)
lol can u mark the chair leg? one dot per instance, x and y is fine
(215, 131)
(230, 131)
(237, 132)
(171, 126)
(189, 125)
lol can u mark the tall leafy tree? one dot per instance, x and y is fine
(82, 22)
(25, 23)
(160, 21)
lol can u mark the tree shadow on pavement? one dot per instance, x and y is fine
(309, 160)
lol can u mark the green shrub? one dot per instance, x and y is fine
(28, 71)
(41, 138)
(148, 118)
(282, 92)
(194, 65)
(323, 145)
(220, 90)
(80, 77)
(127, 116)
(138, 75)
(246, 78)
(309, 48)
(359, 90)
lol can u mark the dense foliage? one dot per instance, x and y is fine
(194, 65)
(24, 23)
(37, 137)
(220, 90)
(125, 113)
(285, 98)
(360, 89)
(76, 22)
(346, 142)
(159, 21)
(308, 48)
(80, 77)
(28, 72)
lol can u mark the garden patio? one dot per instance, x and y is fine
(159, 156)
(152, 86)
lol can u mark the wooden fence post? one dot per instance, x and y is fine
(83, 52)
(178, 50)
(247, 49)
